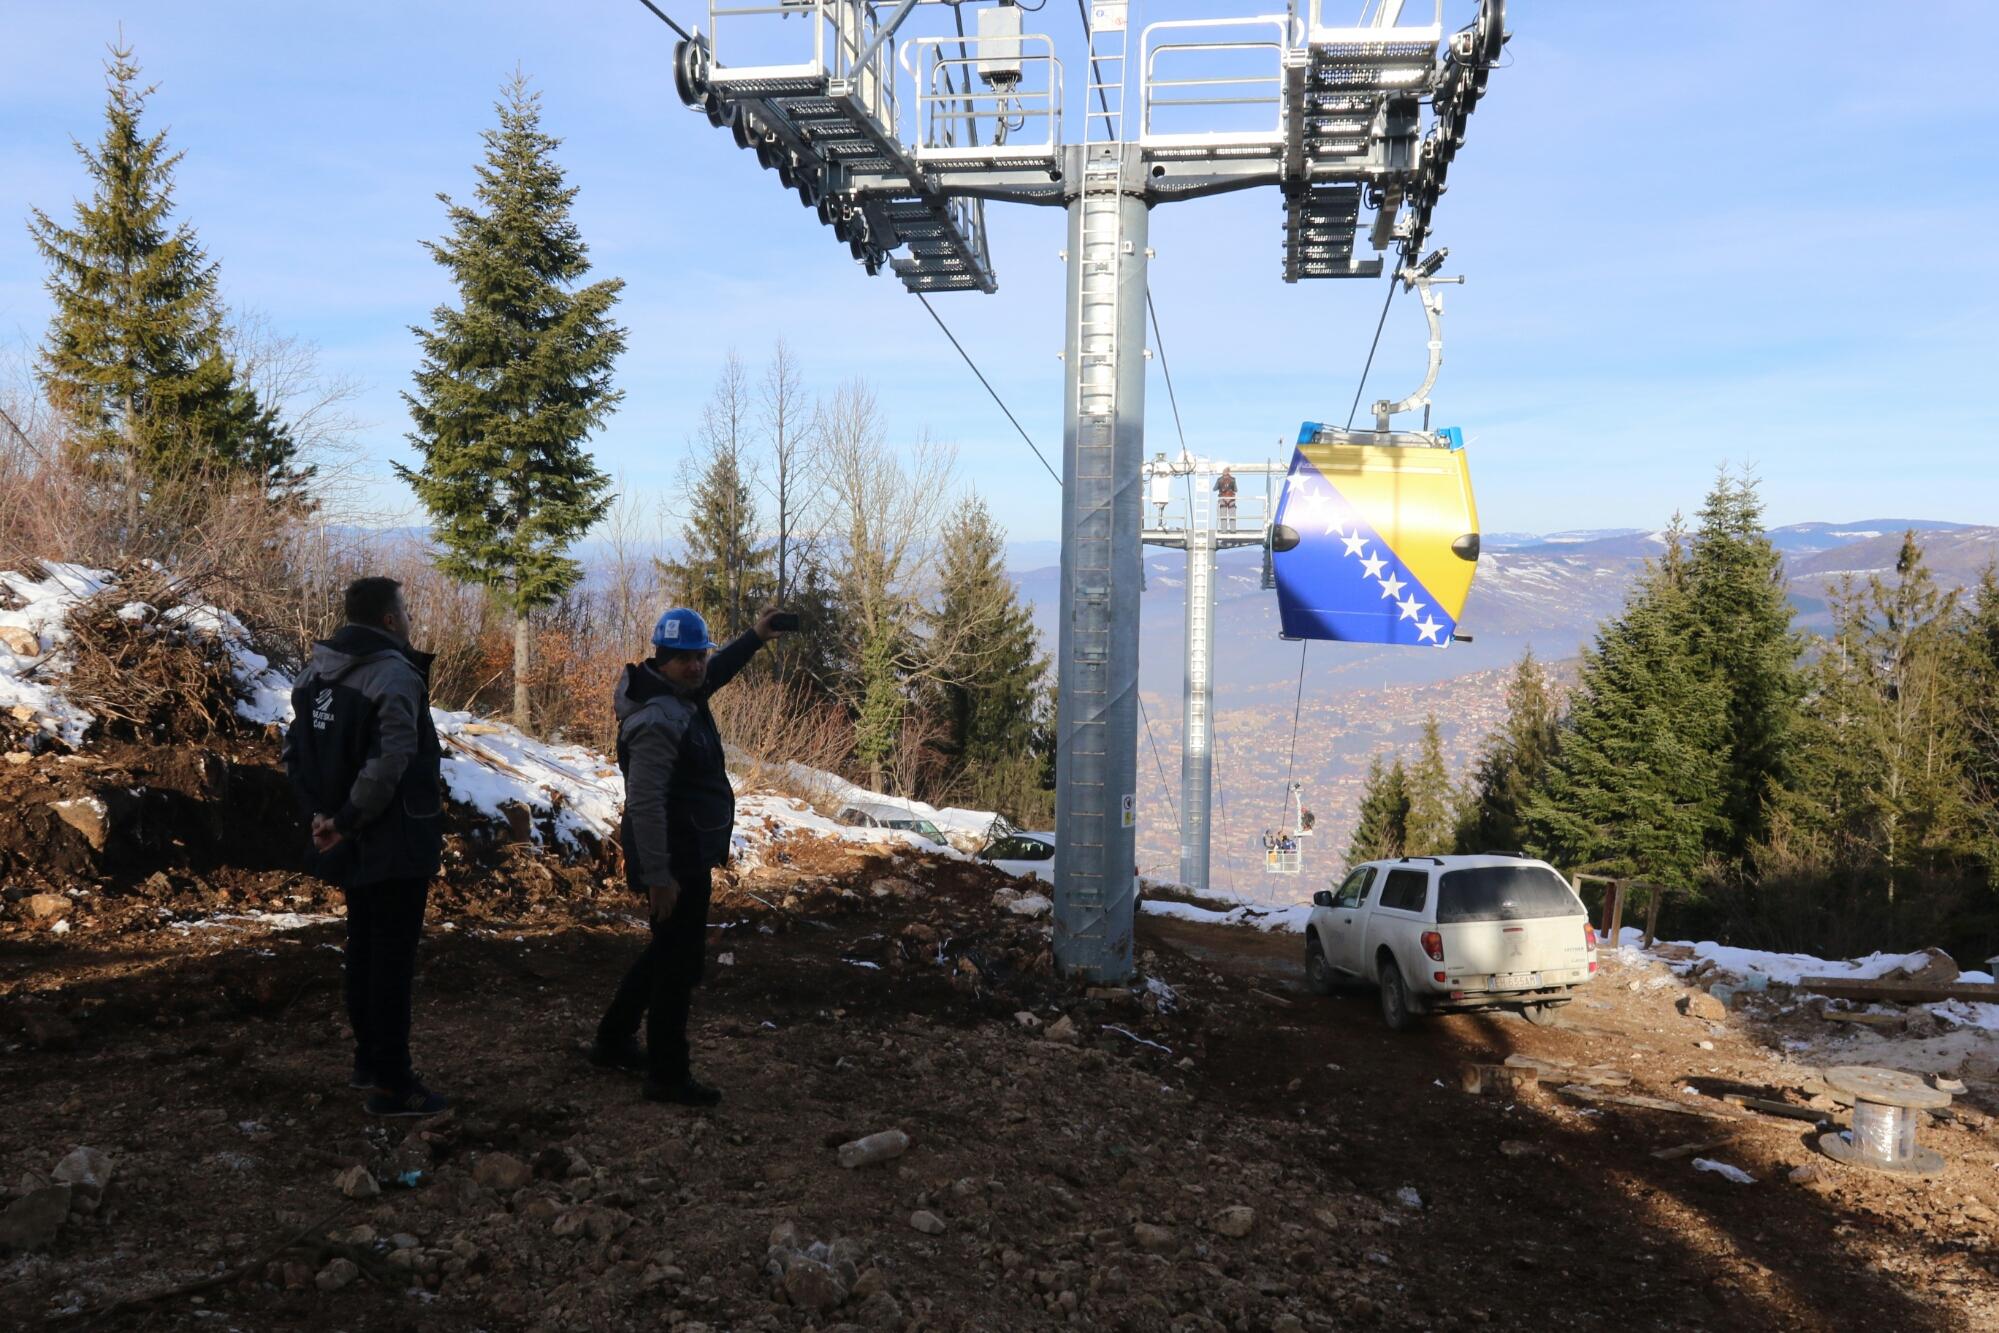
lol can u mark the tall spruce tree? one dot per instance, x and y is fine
(1980, 692)
(724, 571)
(134, 359)
(725, 568)
(988, 673)
(1636, 779)
(1743, 643)
(1885, 783)
(1513, 763)
(514, 380)
(1380, 830)
(1430, 826)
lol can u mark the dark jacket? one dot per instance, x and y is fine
(679, 807)
(362, 748)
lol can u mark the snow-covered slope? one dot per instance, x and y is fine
(488, 766)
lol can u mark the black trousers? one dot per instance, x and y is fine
(660, 985)
(384, 922)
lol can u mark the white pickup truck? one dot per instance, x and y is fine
(1451, 934)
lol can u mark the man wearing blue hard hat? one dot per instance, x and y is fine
(679, 814)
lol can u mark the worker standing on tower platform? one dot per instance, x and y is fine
(1225, 499)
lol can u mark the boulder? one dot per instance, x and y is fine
(1234, 1222)
(31, 1221)
(19, 641)
(1149, 1236)
(1937, 968)
(927, 1222)
(885, 1146)
(89, 816)
(501, 1172)
(1063, 1030)
(812, 1285)
(1701, 1005)
(86, 1171)
(336, 1275)
(357, 1183)
(46, 906)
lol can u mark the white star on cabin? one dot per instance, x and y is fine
(1410, 607)
(1428, 629)
(1373, 566)
(1392, 586)
(1355, 544)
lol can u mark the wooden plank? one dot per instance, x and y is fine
(1581, 1093)
(1900, 992)
(1505, 1080)
(1783, 1109)
(1553, 1068)
(1689, 1149)
(1866, 1020)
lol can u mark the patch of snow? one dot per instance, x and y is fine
(272, 921)
(1288, 919)
(1724, 1170)
(1787, 968)
(1031, 905)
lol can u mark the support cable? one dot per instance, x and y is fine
(1298, 700)
(989, 387)
(1379, 324)
(1158, 763)
(661, 14)
(1160, 343)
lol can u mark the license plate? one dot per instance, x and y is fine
(1516, 980)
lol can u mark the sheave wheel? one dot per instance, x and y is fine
(1318, 972)
(1395, 1010)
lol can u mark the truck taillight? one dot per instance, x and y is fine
(1433, 944)
(1589, 934)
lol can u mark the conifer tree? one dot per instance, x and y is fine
(1513, 763)
(1634, 786)
(987, 666)
(514, 380)
(1886, 785)
(724, 570)
(1980, 692)
(1429, 828)
(134, 359)
(1384, 814)
(1743, 643)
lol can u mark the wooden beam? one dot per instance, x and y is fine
(1900, 992)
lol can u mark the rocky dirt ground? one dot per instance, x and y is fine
(1208, 1149)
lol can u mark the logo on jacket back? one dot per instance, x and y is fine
(322, 710)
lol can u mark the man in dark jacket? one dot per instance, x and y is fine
(680, 813)
(364, 759)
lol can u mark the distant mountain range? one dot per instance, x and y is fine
(1545, 590)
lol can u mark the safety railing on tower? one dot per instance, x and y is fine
(1225, 75)
(986, 100)
(760, 58)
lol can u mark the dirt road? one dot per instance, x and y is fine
(1199, 1156)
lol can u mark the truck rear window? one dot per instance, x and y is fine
(1504, 893)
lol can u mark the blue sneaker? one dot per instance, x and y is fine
(416, 1101)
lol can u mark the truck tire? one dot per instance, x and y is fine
(1319, 978)
(1396, 1010)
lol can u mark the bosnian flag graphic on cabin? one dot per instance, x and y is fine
(1386, 539)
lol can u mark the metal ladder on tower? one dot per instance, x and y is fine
(1100, 238)
(1197, 776)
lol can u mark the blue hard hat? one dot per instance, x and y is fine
(682, 631)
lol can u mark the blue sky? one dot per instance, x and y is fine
(1758, 233)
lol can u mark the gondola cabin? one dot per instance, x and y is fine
(1375, 537)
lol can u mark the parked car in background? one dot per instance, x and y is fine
(860, 814)
(1442, 934)
(1021, 853)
